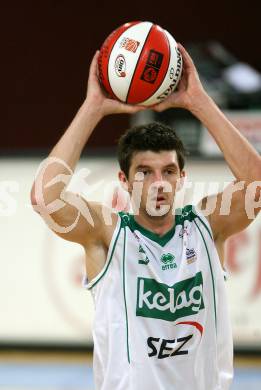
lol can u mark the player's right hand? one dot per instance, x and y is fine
(98, 99)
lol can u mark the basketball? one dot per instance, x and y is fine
(140, 63)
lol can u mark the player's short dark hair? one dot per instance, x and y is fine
(154, 136)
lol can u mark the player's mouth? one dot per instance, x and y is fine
(160, 199)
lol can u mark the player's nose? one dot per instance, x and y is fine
(158, 176)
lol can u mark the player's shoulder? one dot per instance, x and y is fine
(191, 213)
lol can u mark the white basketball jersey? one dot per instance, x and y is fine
(161, 319)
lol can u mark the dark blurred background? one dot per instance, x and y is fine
(47, 47)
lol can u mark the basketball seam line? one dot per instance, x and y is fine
(107, 68)
(137, 63)
(163, 79)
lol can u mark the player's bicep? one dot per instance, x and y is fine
(73, 218)
(80, 222)
(233, 209)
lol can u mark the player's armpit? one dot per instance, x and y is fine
(235, 208)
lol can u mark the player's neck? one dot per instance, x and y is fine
(158, 225)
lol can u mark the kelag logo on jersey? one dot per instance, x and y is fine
(158, 300)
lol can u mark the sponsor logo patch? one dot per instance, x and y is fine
(191, 255)
(120, 66)
(168, 261)
(158, 300)
(153, 65)
(149, 74)
(129, 44)
(165, 348)
(155, 59)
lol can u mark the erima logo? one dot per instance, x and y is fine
(158, 300)
(143, 257)
(167, 259)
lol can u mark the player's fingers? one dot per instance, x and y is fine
(93, 66)
(132, 109)
(161, 106)
(187, 60)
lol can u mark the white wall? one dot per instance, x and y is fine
(41, 295)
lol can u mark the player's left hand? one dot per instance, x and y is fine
(189, 92)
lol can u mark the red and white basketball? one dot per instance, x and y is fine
(139, 63)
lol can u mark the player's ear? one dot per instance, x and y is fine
(120, 199)
(181, 180)
(123, 180)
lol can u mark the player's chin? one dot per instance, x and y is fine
(160, 209)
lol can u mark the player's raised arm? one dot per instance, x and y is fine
(239, 197)
(67, 214)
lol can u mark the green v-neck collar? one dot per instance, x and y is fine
(187, 213)
(161, 240)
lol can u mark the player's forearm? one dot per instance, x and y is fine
(71, 144)
(67, 151)
(242, 158)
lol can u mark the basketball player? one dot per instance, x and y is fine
(156, 275)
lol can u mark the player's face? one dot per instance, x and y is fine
(153, 181)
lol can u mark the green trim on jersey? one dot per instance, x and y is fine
(124, 295)
(110, 259)
(207, 229)
(187, 213)
(161, 240)
(211, 271)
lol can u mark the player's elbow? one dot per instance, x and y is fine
(34, 201)
(259, 170)
(32, 195)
